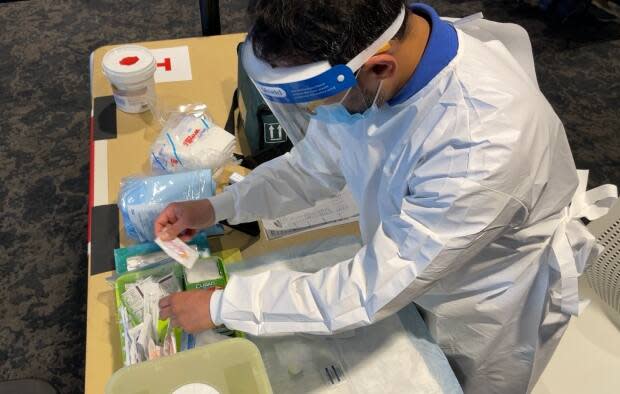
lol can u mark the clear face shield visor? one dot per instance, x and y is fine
(295, 94)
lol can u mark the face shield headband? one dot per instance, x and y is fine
(293, 93)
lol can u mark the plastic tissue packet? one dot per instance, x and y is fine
(190, 140)
(142, 199)
(206, 273)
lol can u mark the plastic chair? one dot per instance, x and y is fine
(30, 386)
(603, 274)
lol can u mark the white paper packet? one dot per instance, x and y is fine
(179, 251)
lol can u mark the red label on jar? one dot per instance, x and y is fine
(129, 60)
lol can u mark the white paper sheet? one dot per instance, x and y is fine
(326, 213)
(173, 64)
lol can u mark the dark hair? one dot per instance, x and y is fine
(294, 32)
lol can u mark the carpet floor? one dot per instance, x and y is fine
(44, 124)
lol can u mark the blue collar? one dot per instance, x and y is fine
(441, 48)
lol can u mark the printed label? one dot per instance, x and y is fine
(274, 133)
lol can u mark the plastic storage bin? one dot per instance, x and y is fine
(233, 366)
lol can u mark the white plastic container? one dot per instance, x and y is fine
(130, 70)
(232, 366)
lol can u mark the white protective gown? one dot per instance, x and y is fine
(464, 192)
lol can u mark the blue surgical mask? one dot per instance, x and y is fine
(338, 114)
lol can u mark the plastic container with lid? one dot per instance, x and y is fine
(130, 70)
(233, 366)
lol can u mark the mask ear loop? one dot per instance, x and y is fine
(374, 102)
(349, 90)
(386, 47)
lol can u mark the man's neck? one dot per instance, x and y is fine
(409, 51)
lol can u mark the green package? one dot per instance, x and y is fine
(206, 273)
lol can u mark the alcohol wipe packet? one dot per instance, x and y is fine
(179, 251)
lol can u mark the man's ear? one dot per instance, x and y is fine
(382, 66)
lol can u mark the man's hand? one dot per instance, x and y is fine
(183, 219)
(189, 310)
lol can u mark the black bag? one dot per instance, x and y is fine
(259, 133)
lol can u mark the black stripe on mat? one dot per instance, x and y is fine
(104, 112)
(104, 238)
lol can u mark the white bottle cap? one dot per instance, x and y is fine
(128, 65)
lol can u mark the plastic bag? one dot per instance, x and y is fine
(191, 140)
(143, 335)
(142, 199)
(149, 254)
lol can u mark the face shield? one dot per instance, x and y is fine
(294, 93)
